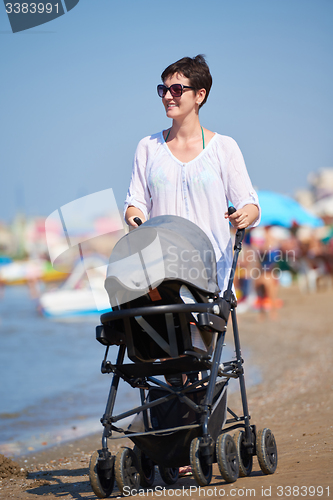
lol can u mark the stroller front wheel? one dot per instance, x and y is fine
(126, 471)
(169, 475)
(227, 458)
(266, 451)
(101, 480)
(245, 459)
(201, 470)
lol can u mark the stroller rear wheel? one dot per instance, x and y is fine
(227, 458)
(201, 469)
(146, 468)
(266, 451)
(101, 480)
(245, 459)
(169, 475)
(126, 471)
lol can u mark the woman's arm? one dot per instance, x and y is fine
(239, 189)
(243, 217)
(138, 201)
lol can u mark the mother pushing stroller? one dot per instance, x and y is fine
(190, 171)
(186, 172)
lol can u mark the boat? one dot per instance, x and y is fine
(21, 272)
(82, 294)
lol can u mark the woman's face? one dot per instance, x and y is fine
(186, 104)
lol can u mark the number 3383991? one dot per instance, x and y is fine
(30, 8)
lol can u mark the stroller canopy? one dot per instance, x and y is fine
(167, 247)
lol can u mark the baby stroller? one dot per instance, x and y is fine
(168, 315)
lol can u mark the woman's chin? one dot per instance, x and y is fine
(171, 113)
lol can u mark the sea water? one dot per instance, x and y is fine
(51, 386)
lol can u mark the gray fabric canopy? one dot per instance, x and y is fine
(163, 248)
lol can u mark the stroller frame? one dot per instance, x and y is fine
(133, 467)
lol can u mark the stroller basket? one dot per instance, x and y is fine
(171, 449)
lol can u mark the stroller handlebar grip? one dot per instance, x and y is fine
(231, 210)
(240, 232)
(137, 221)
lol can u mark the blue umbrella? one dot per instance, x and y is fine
(278, 209)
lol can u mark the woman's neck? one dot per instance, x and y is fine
(186, 129)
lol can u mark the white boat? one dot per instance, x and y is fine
(82, 294)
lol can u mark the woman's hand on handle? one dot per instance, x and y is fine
(131, 214)
(243, 217)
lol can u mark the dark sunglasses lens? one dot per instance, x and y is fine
(161, 90)
(176, 90)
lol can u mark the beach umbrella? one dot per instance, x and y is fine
(281, 210)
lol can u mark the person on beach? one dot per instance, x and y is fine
(190, 171)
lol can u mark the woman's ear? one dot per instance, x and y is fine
(201, 94)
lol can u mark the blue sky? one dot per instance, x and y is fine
(78, 93)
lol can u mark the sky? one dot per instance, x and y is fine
(78, 93)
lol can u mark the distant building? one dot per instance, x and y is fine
(7, 243)
(305, 197)
(321, 183)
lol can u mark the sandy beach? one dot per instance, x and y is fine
(294, 400)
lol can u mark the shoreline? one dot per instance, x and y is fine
(294, 399)
(33, 441)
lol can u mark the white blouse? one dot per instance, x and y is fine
(198, 190)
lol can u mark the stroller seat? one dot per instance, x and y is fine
(156, 300)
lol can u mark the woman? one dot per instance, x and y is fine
(190, 171)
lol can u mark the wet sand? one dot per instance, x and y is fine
(294, 400)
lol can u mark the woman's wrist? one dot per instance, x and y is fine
(252, 212)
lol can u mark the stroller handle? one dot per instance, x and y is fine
(137, 221)
(237, 248)
(239, 234)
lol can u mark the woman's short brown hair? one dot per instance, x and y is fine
(195, 69)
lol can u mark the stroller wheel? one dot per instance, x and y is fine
(146, 468)
(101, 480)
(126, 471)
(201, 470)
(245, 459)
(266, 451)
(227, 458)
(169, 475)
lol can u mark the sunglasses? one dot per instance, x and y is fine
(176, 90)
